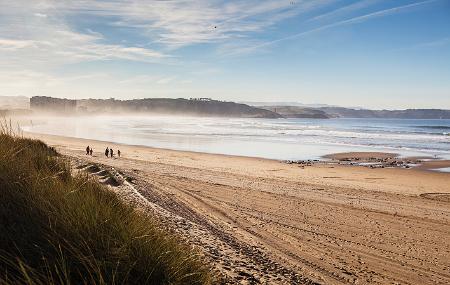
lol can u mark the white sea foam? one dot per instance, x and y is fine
(271, 138)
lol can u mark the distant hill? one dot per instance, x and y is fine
(297, 112)
(286, 104)
(193, 107)
(214, 108)
(340, 112)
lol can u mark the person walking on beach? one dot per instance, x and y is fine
(106, 152)
(111, 152)
(118, 152)
(91, 151)
(87, 150)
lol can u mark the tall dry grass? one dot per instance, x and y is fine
(57, 228)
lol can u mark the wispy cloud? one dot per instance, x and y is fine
(178, 23)
(165, 80)
(69, 47)
(437, 43)
(433, 44)
(40, 39)
(12, 44)
(47, 30)
(354, 20)
(40, 35)
(382, 13)
(344, 10)
(149, 80)
(40, 15)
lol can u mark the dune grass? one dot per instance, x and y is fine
(60, 228)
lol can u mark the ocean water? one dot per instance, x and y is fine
(266, 138)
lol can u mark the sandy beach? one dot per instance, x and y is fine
(262, 221)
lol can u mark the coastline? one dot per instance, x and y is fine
(396, 180)
(260, 219)
(272, 139)
(355, 161)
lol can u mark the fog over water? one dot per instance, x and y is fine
(267, 138)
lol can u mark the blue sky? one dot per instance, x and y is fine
(370, 53)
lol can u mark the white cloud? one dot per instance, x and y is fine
(63, 47)
(382, 13)
(354, 20)
(11, 44)
(178, 23)
(46, 34)
(344, 10)
(165, 80)
(438, 43)
(40, 15)
(149, 80)
(433, 44)
(40, 37)
(47, 31)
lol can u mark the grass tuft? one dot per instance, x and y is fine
(60, 228)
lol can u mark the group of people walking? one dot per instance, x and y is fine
(109, 152)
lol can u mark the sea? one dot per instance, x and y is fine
(283, 139)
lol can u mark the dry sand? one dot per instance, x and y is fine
(263, 221)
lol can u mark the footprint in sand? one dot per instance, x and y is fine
(104, 176)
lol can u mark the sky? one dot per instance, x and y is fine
(370, 53)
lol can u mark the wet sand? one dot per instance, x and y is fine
(360, 155)
(388, 160)
(263, 221)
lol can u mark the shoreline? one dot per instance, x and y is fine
(277, 141)
(373, 159)
(348, 172)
